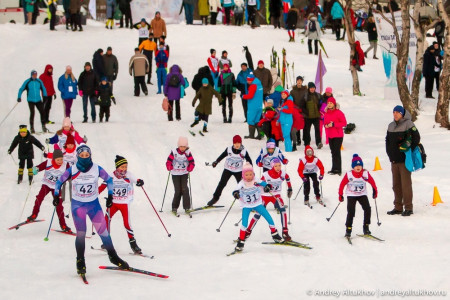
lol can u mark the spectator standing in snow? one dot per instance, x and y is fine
(161, 58)
(203, 11)
(158, 27)
(313, 33)
(98, 64)
(275, 13)
(87, 86)
(291, 22)
(225, 60)
(265, 77)
(252, 9)
(188, 6)
(66, 6)
(172, 91)
(242, 86)
(311, 111)
(373, 37)
(203, 72)
(138, 67)
(111, 66)
(75, 15)
(147, 48)
(47, 79)
(227, 5)
(337, 14)
(334, 121)
(215, 7)
(124, 6)
(67, 85)
(298, 93)
(213, 64)
(110, 9)
(239, 8)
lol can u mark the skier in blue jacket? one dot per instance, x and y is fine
(34, 86)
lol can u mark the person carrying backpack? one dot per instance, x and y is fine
(172, 90)
(313, 33)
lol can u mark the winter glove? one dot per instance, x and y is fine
(214, 164)
(305, 179)
(45, 154)
(341, 198)
(260, 164)
(109, 201)
(236, 195)
(320, 177)
(169, 167)
(80, 92)
(19, 100)
(405, 146)
(289, 194)
(35, 170)
(113, 100)
(140, 182)
(47, 141)
(54, 96)
(374, 194)
(285, 161)
(190, 167)
(267, 188)
(55, 200)
(85, 139)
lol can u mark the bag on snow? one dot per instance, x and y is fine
(165, 104)
(174, 80)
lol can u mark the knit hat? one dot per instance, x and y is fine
(205, 81)
(182, 141)
(250, 77)
(120, 160)
(260, 62)
(299, 77)
(274, 161)
(87, 64)
(269, 101)
(57, 154)
(309, 149)
(23, 128)
(143, 20)
(399, 109)
(70, 140)
(109, 48)
(226, 65)
(311, 85)
(332, 100)
(237, 139)
(329, 90)
(104, 78)
(224, 51)
(247, 167)
(357, 161)
(270, 144)
(285, 92)
(83, 148)
(212, 50)
(33, 72)
(67, 122)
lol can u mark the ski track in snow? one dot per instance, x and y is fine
(414, 255)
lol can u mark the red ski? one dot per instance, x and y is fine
(69, 233)
(133, 270)
(24, 223)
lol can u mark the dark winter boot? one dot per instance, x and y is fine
(395, 212)
(205, 128)
(366, 229)
(212, 202)
(116, 260)
(81, 266)
(135, 247)
(32, 130)
(225, 119)
(286, 235)
(195, 122)
(240, 245)
(348, 231)
(30, 175)
(276, 237)
(251, 132)
(20, 177)
(407, 213)
(260, 133)
(294, 147)
(44, 129)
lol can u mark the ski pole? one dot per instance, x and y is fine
(208, 164)
(8, 113)
(51, 221)
(108, 213)
(13, 159)
(328, 219)
(190, 188)
(26, 199)
(237, 224)
(298, 192)
(289, 212)
(321, 192)
(218, 229)
(376, 208)
(167, 183)
(168, 234)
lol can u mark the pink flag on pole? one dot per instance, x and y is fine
(321, 71)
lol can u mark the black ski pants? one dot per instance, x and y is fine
(226, 175)
(307, 185)
(335, 147)
(351, 203)
(40, 107)
(139, 83)
(180, 185)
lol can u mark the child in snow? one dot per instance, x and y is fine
(268, 154)
(70, 157)
(54, 167)
(313, 33)
(213, 64)
(204, 108)
(25, 141)
(161, 59)
(291, 22)
(239, 8)
(235, 157)
(227, 87)
(356, 191)
(274, 179)
(180, 163)
(308, 168)
(85, 175)
(249, 194)
(122, 197)
(59, 139)
(269, 124)
(172, 91)
(358, 58)
(104, 99)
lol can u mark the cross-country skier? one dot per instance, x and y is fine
(204, 108)
(59, 139)
(308, 168)
(268, 153)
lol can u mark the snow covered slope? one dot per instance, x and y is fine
(414, 256)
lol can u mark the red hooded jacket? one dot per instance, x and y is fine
(47, 79)
(309, 159)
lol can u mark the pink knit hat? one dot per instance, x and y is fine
(329, 90)
(67, 122)
(247, 167)
(183, 141)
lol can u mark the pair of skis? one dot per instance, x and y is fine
(284, 243)
(367, 236)
(199, 132)
(130, 269)
(132, 253)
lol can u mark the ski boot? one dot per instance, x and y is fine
(81, 266)
(195, 123)
(306, 202)
(20, 178)
(30, 179)
(276, 237)
(366, 230)
(225, 119)
(286, 235)
(116, 260)
(211, 202)
(348, 232)
(205, 128)
(240, 245)
(44, 129)
(66, 228)
(32, 130)
(31, 218)
(135, 247)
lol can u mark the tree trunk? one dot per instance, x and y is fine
(442, 108)
(351, 42)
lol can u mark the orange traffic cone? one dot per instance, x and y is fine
(342, 147)
(436, 197)
(377, 165)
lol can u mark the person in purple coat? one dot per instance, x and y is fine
(172, 90)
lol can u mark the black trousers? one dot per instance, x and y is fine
(351, 203)
(429, 80)
(335, 147)
(22, 164)
(238, 19)
(436, 78)
(104, 111)
(337, 27)
(47, 106)
(244, 106)
(307, 131)
(213, 19)
(149, 55)
(141, 39)
(40, 107)
(200, 116)
(204, 19)
(316, 49)
(227, 98)
(307, 185)
(177, 110)
(139, 83)
(251, 9)
(226, 175)
(53, 17)
(228, 15)
(180, 185)
(127, 15)
(76, 20)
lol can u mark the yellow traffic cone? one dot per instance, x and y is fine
(377, 165)
(436, 197)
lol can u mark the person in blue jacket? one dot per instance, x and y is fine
(34, 86)
(337, 13)
(254, 105)
(67, 85)
(252, 8)
(241, 82)
(286, 120)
